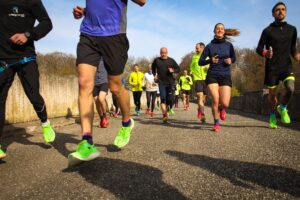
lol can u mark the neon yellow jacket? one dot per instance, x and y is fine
(198, 72)
(177, 91)
(186, 82)
(136, 81)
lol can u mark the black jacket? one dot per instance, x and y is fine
(161, 68)
(19, 16)
(282, 37)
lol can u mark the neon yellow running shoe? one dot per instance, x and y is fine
(49, 134)
(272, 122)
(84, 152)
(2, 153)
(285, 118)
(123, 136)
(171, 112)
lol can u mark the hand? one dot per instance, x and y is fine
(171, 70)
(19, 38)
(228, 61)
(269, 54)
(215, 59)
(297, 56)
(78, 12)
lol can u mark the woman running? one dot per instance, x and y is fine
(221, 55)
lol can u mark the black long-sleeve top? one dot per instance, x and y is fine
(282, 37)
(19, 16)
(161, 68)
(223, 49)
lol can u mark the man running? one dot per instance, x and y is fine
(136, 83)
(163, 68)
(17, 56)
(199, 75)
(103, 35)
(100, 93)
(277, 44)
(151, 91)
(185, 82)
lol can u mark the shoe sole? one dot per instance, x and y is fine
(73, 160)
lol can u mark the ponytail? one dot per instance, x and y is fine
(229, 32)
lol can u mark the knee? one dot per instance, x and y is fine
(85, 84)
(115, 88)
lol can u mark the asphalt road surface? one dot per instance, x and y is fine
(183, 159)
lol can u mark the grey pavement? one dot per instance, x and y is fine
(183, 159)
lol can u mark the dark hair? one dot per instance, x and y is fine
(201, 44)
(229, 32)
(277, 4)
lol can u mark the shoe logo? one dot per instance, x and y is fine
(15, 12)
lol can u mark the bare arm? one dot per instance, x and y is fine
(140, 2)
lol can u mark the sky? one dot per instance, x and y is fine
(175, 24)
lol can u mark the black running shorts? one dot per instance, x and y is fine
(200, 86)
(100, 88)
(113, 50)
(220, 80)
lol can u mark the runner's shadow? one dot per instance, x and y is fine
(246, 174)
(126, 180)
(13, 134)
(175, 123)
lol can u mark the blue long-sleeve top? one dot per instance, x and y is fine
(222, 48)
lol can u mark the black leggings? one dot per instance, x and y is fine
(176, 99)
(137, 100)
(151, 97)
(29, 77)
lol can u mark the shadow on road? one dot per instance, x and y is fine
(127, 180)
(293, 126)
(245, 174)
(19, 135)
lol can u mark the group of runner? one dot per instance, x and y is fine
(101, 58)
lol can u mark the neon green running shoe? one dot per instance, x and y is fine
(123, 136)
(285, 118)
(171, 112)
(84, 152)
(49, 134)
(273, 122)
(2, 153)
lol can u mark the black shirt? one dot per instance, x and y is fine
(19, 16)
(282, 37)
(161, 68)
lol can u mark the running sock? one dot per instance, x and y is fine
(45, 123)
(283, 107)
(104, 114)
(88, 137)
(272, 114)
(165, 115)
(217, 122)
(126, 124)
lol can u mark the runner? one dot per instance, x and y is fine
(221, 55)
(185, 83)
(277, 44)
(151, 90)
(100, 93)
(136, 83)
(177, 93)
(199, 76)
(163, 68)
(17, 56)
(103, 35)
